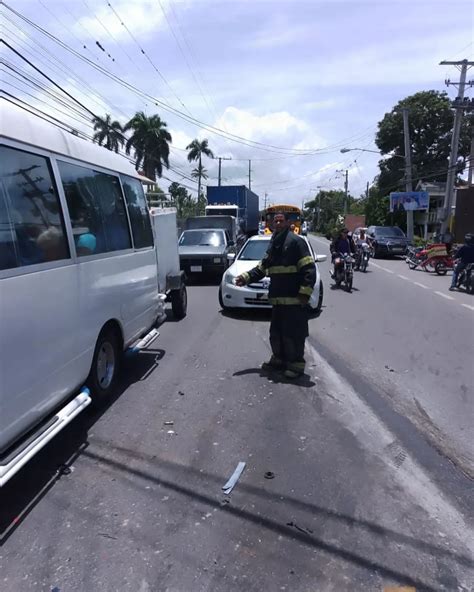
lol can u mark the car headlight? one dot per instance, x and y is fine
(229, 278)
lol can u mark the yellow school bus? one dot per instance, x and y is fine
(295, 217)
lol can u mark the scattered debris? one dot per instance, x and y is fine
(107, 536)
(269, 475)
(171, 432)
(304, 530)
(225, 501)
(389, 369)
(292, 572)
(180, 393)
(229, 486)
(168, 423)
(65, 470)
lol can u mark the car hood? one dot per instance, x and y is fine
(201, 250)
(391, 239)
(239, 267)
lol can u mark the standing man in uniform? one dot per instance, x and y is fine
(291, 268)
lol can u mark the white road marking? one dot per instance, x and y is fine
(421, 285)
(403, 277)
(383, 268)
(467, 306)
(447, 296)
(388, 270)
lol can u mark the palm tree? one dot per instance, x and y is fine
(199, 172)
(196, 150)
(150, 140)
(108, 133)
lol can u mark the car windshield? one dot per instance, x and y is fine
(389, 231)
(254, 250)
(201, 238)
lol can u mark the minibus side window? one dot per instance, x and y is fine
(31, 222)
(138, 212)
(97, 210)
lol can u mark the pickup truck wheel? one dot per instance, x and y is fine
(179, 302)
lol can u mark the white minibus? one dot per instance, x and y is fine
(78, 278)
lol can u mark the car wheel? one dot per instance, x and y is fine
(179, 302)
(319, 306)
(221, 299)
(105, 365)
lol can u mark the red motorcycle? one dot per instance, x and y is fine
(432, 258)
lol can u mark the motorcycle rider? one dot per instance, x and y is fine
(464, 256)
(342, 244)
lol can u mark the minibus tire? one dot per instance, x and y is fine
(105, 365)
(179, 302)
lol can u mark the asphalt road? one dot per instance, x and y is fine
(370, 487)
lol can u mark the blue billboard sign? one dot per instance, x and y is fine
(405, 201)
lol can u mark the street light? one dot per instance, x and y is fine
(345, 150)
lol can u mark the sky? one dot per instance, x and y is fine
(291, 81)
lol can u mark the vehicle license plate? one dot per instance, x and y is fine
(196, 268)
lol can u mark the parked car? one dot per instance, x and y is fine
(256, 295)
(204, 251)
(304, 228)
(387, 240)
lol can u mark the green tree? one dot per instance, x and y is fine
(150, 141)
(182, 200)
(196, 150)
(430, 119)
(199, 172)
(108, 133)
(201, 205)
(325, 210)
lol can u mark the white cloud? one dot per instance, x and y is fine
(142, 18)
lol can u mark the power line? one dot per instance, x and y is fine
(109, 33)
(59, 65)
(189, 119)
(46, 76)
(147, 56)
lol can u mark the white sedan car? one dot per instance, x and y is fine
(256, 295)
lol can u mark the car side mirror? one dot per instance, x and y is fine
(320, 258)
(230, 256)
(231, 243)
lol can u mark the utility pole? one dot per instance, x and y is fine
(458, 114)
(346, 191)
(367, 190)
(250, 174)
(471, 161)
(220, 159)
(408, 169)
(265, 201)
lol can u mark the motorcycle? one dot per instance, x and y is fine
(466, 279)
(431, 258)
(344, 270)
(362, 257)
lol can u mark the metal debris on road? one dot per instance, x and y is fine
(269, 475)
(229, 486)
(180, 393)
(107, 536)
(304, 530)
(65, 470)
(171, 432)
(168, 423)
(389, 369)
